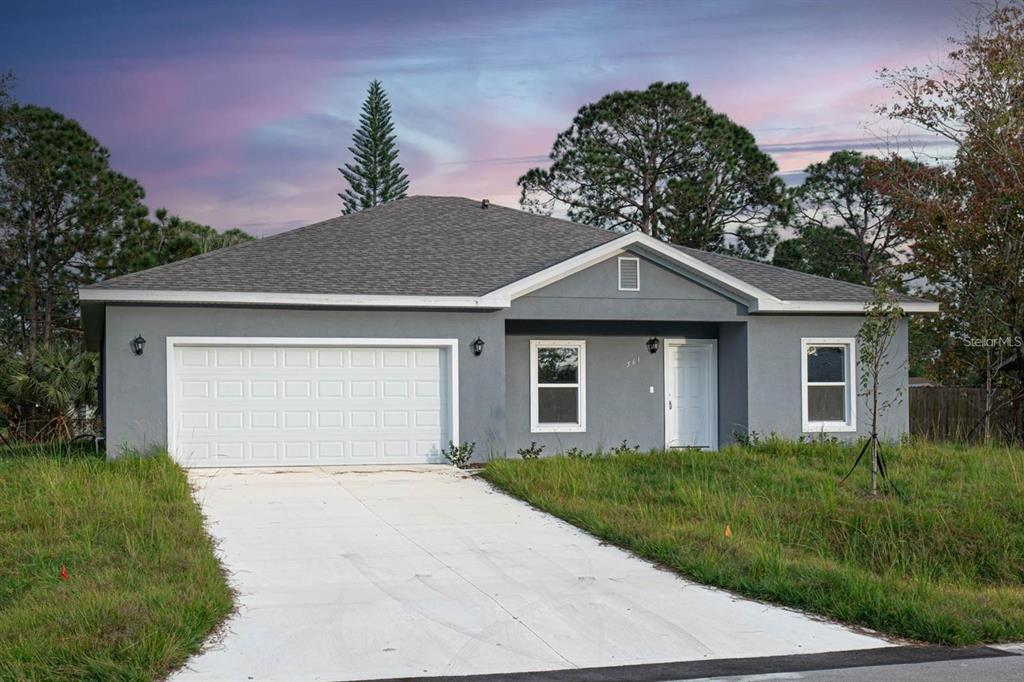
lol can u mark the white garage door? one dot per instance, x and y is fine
(308, 405)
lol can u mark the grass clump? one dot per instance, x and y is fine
(143, 588)
(943, 562)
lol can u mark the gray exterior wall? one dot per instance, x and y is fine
(625, 387)
(773, 375)
(733, 407)
(625, 384)
(758, 358)
(593, 294)
(136, 386)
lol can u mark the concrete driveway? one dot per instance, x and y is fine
(350, 574)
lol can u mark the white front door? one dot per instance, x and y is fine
(248, 404)
(691, 394)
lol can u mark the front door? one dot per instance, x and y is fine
(691, 394)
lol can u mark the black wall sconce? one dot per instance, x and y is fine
(138, 344)
(653, 344)
(477, 346)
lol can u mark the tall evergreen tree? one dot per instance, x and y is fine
(845, 227)
(663, 162)
(59, 202)
(375, 177)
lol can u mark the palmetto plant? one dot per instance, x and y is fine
(51, 396)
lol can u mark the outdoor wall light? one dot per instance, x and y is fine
(653, 344)
(138, 344)
(477, 346)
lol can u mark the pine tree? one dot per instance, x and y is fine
(663, 162)
(375, 177)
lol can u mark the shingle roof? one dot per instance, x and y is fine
(432, 246)
(420, 246)
(788, 285)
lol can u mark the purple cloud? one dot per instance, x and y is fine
(239, 115)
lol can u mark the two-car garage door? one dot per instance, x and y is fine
(293, 405)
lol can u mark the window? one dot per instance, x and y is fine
(828, 380)
(629, 274)
(558, 386)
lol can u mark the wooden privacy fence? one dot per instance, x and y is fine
(952, 412)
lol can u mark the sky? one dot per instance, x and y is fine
(238, 114)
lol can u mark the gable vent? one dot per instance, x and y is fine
(629, 274)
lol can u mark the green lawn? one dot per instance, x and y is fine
(943, 564)
(144, 587)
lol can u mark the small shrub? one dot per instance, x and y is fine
(624, 448)
(460, 455)
(576, 453)
(51, 396)
(819, 438)
(532, 452)
(747, 439)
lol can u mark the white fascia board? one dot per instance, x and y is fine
(259, 298)
(698, 266)
(760, 300)
(584, 260)
(552, 274)
(779, 306)
(756, 300)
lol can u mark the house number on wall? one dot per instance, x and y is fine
(632, 362)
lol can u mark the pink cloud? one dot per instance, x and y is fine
(224, 122)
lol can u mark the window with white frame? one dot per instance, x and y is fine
(828, 386)
(558, 399)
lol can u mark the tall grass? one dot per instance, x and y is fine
(143, 588)
(942, 562)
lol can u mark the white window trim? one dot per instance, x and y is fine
(635, 260)
(850, 385)
(581, 385)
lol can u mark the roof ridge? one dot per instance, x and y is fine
(425, 245)
(566, 221)
(590, 228)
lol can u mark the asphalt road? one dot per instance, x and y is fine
(898, 663)
(1005, 669)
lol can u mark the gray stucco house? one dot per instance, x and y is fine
(383, 335)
